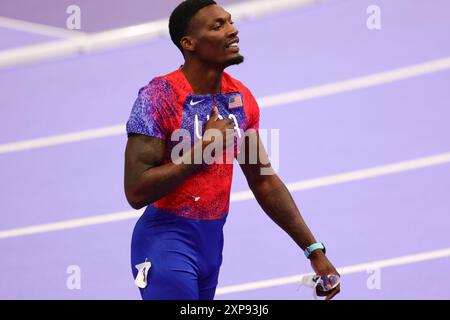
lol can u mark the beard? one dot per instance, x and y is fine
(234, 61)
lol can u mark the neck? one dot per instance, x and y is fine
(204, 79)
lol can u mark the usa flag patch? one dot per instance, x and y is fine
(235, 102)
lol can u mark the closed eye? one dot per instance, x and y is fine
(219, 23)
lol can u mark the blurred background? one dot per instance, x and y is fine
(358, 89)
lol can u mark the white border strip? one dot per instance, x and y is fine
(132, 35)
(38, 28)
(363, 267)
(265, 102)
(368, 173)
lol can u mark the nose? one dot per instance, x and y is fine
(233, 31)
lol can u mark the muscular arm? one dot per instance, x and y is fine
(276, 201)
(147, 179)
(274, 198)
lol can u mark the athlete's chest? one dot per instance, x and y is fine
(197, 109)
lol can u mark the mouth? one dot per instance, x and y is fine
(233, 45)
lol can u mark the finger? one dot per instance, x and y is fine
(331, 281)
(333, 293)
(214, 114)
(328, 283)
(320, 292)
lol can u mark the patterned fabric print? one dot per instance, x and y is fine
(167, 104)
(251, 109)
(206, 194)
(236, 114)
(154, 113)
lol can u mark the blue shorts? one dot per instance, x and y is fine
(185, 255)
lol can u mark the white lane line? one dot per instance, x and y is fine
(63, 139)
(368, 173)
(356, 175)
(38, 28)
(363, 267)
(131, 35)
(265, 102)
(70, 224)
(357, 83)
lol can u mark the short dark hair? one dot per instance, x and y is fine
(180, 19)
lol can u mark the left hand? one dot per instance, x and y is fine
(323, 267)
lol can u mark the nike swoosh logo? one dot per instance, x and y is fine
(192, 103)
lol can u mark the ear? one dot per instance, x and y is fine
(188, 43)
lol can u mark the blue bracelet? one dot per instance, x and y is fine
(313, 247)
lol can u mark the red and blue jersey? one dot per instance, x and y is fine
(168, 103)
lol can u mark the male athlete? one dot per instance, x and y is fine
(176, 249)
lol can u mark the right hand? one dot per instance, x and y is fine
(221, 125)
